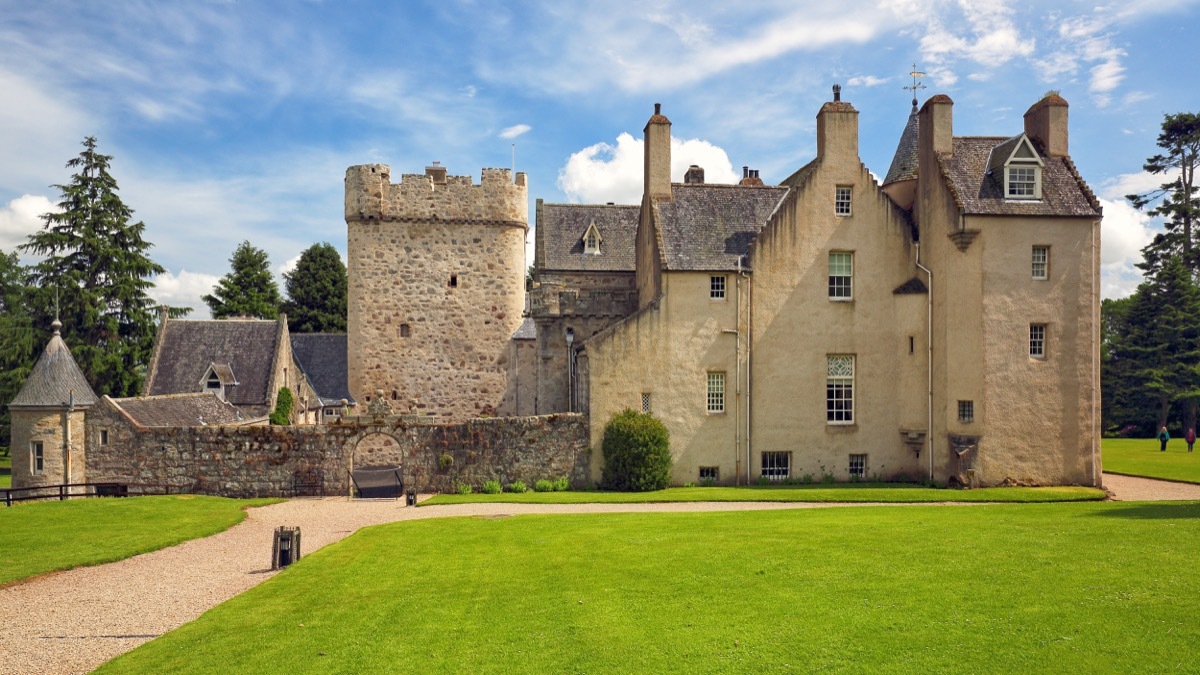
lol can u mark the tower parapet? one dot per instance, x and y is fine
(498, 198)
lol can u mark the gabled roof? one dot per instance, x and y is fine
(186, 349)
(179, 410)
(55, 380)
(223, 372)
(708, 227)
(322, 357)
(560, 231)
(904, 162)
(527, 331)
(977, 192)
(1018, 147)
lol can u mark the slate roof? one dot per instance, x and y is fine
(52, 380)
(322, 357)
(179, 410)
(904, 162)
(976, 192)
(560, 230)
(527, 331)
(187, 348)
(708, 227)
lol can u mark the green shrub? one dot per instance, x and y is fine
(282, 415)
(689, 484)
(543, 485)
(445, 461)
(562, 485)
(637, 454)
(517, 487)
(464, 489)
(492, 487)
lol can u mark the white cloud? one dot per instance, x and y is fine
(184, 290)
(288, 265)
(22, 217)
(606, 173)
(515, 130)
(1124, 232)
(867, 81)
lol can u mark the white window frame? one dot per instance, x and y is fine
(716, 393)
(858, 466)
(717, 284)
(966, 411)
(1040, 260)
(1037, 340)
(843, 198)
(37, 458)
(1028, 187)
(839, 389)
(841, 285)
(775, 466)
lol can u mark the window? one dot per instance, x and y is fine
(1022, 182)
(858, 466)
(841, 201)
(966, 411)
(1041, 262)
(104, 437)
(776, 465)
(592, 245)
(716, 392)
(710, 474)
(453, 281)
(1037, 340)
(405, 330)
(646, 403)
(839, 389)
(841, 275)
(37, 458)
(716, 287)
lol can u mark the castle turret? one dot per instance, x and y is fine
(436, 268)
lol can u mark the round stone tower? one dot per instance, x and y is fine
(436, 268)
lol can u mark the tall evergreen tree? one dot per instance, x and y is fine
(17, 336)
(97, 261)
(316, 292)
(1177, 200)
(248, 290)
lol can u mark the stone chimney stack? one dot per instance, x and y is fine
(694, 175)
(936, 126)
(658, 155)
(837, 129)
(1046, 124)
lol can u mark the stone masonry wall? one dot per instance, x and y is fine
(263, 461)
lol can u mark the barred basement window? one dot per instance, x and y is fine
(776, 465)
(839, 389)
(710, 473)
(646, 403)
(966, 411)
(1037, 340)
(1041, 262)
(37, 457)
(841, 275)
(716, 392)
(716, 287)
(841, 201)
(858, 466)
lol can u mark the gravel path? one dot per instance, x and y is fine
(73, 621)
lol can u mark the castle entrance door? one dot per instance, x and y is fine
(377, 456)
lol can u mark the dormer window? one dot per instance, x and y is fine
(1017, 165)
(217, 378)
(592, 240)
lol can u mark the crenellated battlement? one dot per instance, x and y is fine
(434, 195)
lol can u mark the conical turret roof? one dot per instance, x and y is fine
(904, 163)
(55, 381)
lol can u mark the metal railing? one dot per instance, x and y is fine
(65, 491)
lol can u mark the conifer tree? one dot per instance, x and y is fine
(17, 335)
(96, 260)
(248, 290)
(1178, 200)
(316, 292)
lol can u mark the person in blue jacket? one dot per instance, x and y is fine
(1163, 437)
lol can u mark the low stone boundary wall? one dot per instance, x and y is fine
(264, 461)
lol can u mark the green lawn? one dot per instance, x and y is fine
(890, 493)
(1085, 587)
(5, 469)
(40, 537)
(1141, 457)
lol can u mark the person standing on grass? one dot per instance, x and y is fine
(1190, 438)
(1163, 437)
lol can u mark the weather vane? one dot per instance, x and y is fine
(916, 74)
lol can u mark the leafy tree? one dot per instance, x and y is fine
(17, 335)
(282, 414)
(637, 455)
(1177, 200)
(97, 261)
(1157, 353)
(248, 290)
(316, 292)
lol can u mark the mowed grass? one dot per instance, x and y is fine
(1141, 457)
(5, 470)
(1086, 587)
(889, 493)
(40, 537)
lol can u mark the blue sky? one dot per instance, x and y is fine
(236, 120)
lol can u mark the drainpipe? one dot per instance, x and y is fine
(928, 355)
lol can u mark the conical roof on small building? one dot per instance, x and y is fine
(55, 381)
(904, 163)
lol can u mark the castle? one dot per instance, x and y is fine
(941, 326)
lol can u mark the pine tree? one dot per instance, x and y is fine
(248, 290)
(316, 292)
(17, 335)
(96, 260)
(1177, 200)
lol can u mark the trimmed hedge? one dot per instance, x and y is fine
(637, 453)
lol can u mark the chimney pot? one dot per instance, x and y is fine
(657, 108)
(837, 92)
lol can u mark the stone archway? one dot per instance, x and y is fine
(376, 450)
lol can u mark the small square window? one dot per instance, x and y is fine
(37, 457)
(858, 466)
(776, 465)
(1041, 262)
(104, 437)
(710, 474)
(966, 411)
(1022, 182)
(841, 275)
(716, 392)
(1037, 340)
(841, 202)
(405, 330)
(716, 287)
(646, 403)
